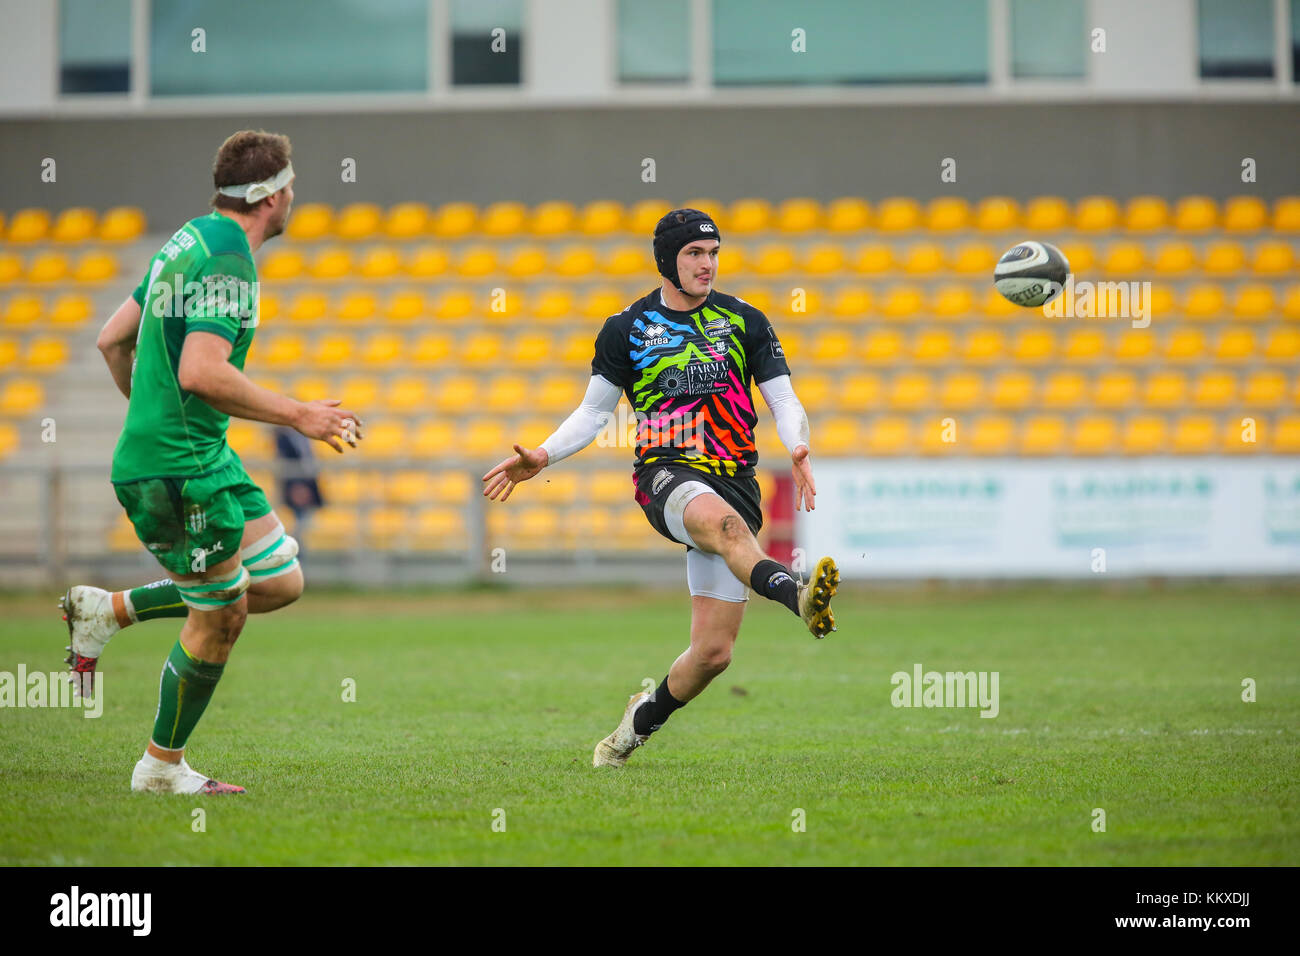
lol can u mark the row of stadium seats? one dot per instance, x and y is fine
(1143, 214)
(580, 261)
(43, 354)
(78, 224)
(46, 267)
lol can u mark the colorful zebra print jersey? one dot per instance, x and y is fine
(687, 376)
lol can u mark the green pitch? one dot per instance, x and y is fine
(485, 707)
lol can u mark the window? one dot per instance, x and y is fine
(654, 41)
(1236, 38)
(849, 41)
(486, 42)
(203, 47)
(95, 46)
(1048, 38)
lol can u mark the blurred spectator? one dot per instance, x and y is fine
(298, 485)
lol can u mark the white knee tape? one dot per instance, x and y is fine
(675, 509)
(707, 575)
(212, 595)
(274, 553)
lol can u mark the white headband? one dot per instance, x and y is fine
(255, 192)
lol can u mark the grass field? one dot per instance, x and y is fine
(1128, 701)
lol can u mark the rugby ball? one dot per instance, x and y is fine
(1031, 273)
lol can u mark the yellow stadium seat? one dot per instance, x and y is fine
(772, 259)
(902, 302)
(1205, 301)
(1234, 345)
(407, 220)
(22, 310)
(749, 215)
(95, 267)
(48, 267)
(1124, 259)
(1224, 258)
(1254, 301)
(1064, 389)
(1265, 388)
(1283, 345)
(453, 304)
(1084, 346)
(428, 262)
(385, 439)
(997, 214)
(933, 345)
(954, 302)
(481, 348)
(309, 222)
(530, 349)
(1291, 303)
(456, 393)
(553, 304)
(1273, 258)
(435, 438)
(408, 487)
(793, 344)
(1096, 214)
(1081, 256)
(1195, 214)
(553, 218)
(1193, 434)
(250, 440)
(628, 260)
(873, 259)
(850, 304)
(947, 214)
(610, 487)
(1286, 435)
(332, 351)
(29, 225)
(644, 215)
(358, 221)
(711, 206)
(332, 262)
(404, 305)
(848, 214)
(309, 388)
(381, 262)
(1165, 389)
(1145, 435)
(910, 390)
(358, 305)
(795, 216)
(407, 394)
(383, 349)
(308, 307)
(961, 390)
(20, 396)
(526, 262)
(1094, 435)
(70, 309)
(1160, 300)
(1115, 389)
(988, 435)
(1217, 389)
(577, 261)
(1047, 214)
(451, 488)
(1146, 214)
(504, 219)
(282, 265)
(824, 259)
(1286, 214)
(1135, 345)
(9, 444)
(936, 436)
(898, 214)
(506, 393)
(804, 305)
(1034, 346)
(1185, 345)
(983, 346)
(997, 306)
(1239, 437)
(602, 302)
(923, 258)
(833, 347)
(46, 354)
(882, 347)
(558, 393)
(860, 392)
(1042, 435)
(281, 351)
(485, 438)
(476, 261)
(732, 260)
(1244, 214)
(268, 307)
(601, 218)
(74, 225)
(1013, 390)
(885, 435)
(11, 267)
(454, 220)
(816, 392)
(360, 394)
(974, 258)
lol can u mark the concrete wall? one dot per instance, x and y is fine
(164, 163)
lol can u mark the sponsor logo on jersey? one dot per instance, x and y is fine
(662, 479)
(720, 326)
(198, 519)
(705, 378)
(777, 350)
(653, 331)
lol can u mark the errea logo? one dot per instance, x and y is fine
(653, 330)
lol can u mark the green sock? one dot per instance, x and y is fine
(160, 599)
(183, 694)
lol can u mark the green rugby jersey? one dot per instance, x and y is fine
(202, 280)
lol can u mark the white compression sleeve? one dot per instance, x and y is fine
(580, 429)
(791, 420)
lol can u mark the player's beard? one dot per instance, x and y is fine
(275, 227)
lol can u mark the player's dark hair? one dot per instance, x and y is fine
(248, 156)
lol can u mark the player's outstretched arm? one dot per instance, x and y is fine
(117, 342)
(206, 372)
(792, 428)
(574, 434)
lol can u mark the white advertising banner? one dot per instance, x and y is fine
(1056, 518)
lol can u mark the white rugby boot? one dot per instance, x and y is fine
(91, 625)
(614, 750)
(815, 598)
(159, 776)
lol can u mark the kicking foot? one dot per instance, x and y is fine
(614, 750)
(815, 598)
(159, 776)
(92, 622)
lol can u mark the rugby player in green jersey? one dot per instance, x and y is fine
(685, 356)
(176, 350)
